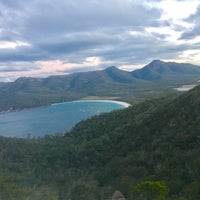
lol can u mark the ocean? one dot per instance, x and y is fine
(58, 118)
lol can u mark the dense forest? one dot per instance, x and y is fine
(147, 151)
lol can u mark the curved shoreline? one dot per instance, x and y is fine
(50, 121)
(124, 104)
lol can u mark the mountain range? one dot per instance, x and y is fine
(155, 79)
(159, 70)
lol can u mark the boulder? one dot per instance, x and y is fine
(117, 195)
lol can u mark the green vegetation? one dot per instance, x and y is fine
(147, 151)
(149, 190)
(154, 80)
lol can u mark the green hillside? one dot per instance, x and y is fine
(154, 80)
(156, 140)
(150, 147)
(33, 92)
(167, 71)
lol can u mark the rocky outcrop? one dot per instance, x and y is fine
(118, 196)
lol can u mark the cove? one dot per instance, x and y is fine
(57, 118)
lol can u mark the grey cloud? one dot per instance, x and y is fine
(160, 36)
(56, 20)
(13, 69)
(80, 69)
(18, 67)
(82, 42)
(191, 34)
(9, 35)
(132, 49)
(23, 54)
(143, 48)
(71, 30)
(12, 4)
(195, 31)
(56, 29)
(76, 16)
(154, 0)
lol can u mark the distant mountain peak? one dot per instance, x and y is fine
(157, 61)
(111, 68)
(157, 70)
(118, 75)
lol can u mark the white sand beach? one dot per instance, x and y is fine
(125, 104)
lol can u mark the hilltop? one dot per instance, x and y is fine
(167, 71)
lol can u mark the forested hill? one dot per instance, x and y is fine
(159, 70)
(155, 140)
(154, 143)
(154, 80)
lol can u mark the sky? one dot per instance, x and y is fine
(40, 38)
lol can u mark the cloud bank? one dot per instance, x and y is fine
(42, 38)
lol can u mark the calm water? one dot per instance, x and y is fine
(58, 118)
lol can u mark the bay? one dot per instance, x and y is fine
(57, 118)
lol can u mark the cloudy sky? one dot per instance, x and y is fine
(47, 37)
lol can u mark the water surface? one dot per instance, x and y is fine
(58, 118)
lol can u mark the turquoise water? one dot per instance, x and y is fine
(58, 118)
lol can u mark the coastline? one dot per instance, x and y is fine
(22, 109)
(58, 119)
(124, 104)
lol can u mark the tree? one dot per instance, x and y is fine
(149, 190)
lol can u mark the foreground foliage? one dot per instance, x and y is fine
(149, 190)
(152, 146)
